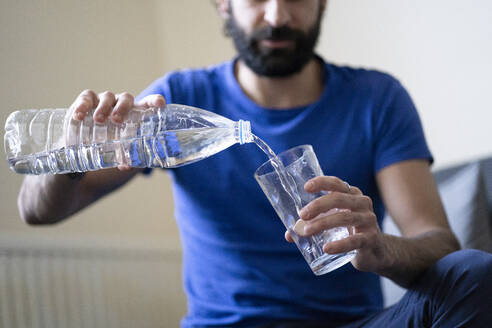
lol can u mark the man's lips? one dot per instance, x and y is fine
(276, 43)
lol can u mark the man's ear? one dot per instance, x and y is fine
(223, 8)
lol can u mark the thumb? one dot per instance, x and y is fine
(288, 237)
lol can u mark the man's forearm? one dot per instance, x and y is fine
(48, 198)
(407, 258)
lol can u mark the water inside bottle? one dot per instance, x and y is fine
(167, 149)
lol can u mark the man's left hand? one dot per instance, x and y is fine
(344, 206)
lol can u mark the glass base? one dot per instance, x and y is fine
(330, 262)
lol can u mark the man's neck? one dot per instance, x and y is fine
(296, 90)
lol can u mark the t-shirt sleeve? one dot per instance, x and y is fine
(160, 86)
(399, 135)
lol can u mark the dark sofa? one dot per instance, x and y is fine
(466, 192)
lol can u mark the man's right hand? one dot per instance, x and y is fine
(107, 105)
(47, 199)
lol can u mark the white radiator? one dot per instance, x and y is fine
(89, 288)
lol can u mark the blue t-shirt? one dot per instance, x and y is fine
(238, 269)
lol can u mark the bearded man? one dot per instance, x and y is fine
(238, 269)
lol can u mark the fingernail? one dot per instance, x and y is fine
(117, 118)
(307, 229)
(100, 117)
(304, 213)
(309, 185)
(79, 116)
(299, 227)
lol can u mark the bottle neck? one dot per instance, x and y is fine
(243, 132)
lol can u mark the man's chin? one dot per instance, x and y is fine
(276, 53)
(275, 62)
(276, 70)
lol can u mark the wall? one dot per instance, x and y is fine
(440, 50)
(50, 50)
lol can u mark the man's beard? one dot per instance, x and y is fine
(274, 62)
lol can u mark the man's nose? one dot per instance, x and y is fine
(276, 13)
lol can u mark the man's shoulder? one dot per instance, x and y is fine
(361, 76)
(195, 86)
(376, 88)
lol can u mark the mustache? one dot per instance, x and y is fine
(282, 33)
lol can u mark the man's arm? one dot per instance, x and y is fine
(49, 199)
(411, 198)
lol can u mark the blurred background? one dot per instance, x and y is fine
(119, 260)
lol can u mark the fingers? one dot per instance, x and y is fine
(107, 100)
(334, 200)
(108, 105)
(83, 104)
(299, 227)
(356, 241)
(342, 218)
(301, 224)
(330, 183)
(288, 237)
(113, 106)
(124, 104)
(152, 101)
(124, 167)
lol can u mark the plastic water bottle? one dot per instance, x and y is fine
(50, 141)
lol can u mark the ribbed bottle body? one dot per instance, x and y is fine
(49, 141)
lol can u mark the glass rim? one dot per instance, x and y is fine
(280, 155)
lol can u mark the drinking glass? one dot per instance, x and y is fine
(282, 184)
